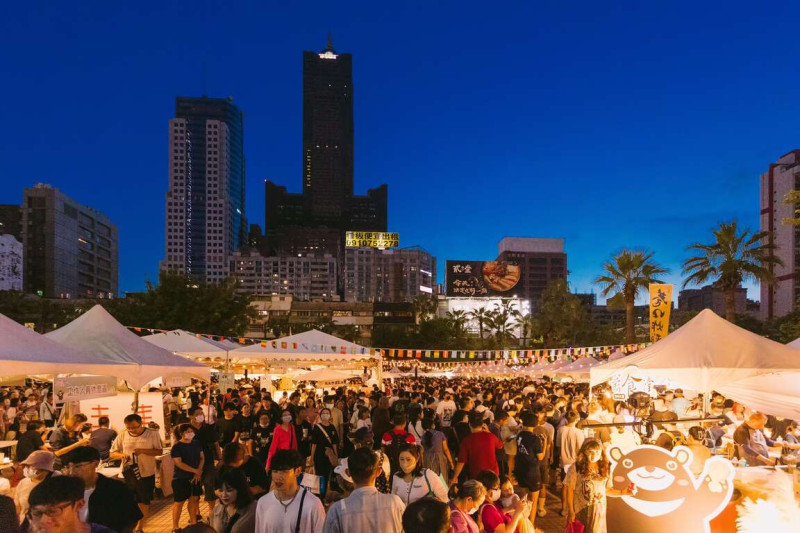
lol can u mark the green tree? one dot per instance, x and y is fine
(481, 315)
(526, 324)
(458, 319)
(181, 302)
(627, 273)
(562, 318)
(733, 257)
(425, 307)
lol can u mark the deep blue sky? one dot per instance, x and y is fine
(628, 125)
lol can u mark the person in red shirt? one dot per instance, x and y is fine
(477, 450)
(284, 437)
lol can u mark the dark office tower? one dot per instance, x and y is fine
(70, 250)
(205, 218)
(327, 134)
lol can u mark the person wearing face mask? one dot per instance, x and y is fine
(491, 514)
(284, 437)
(206, 435)
(261, 436)
(324, 445)
(187, 454)
(36, 468)
(412, 481)
(337, 418)
(138, 447)
(471, 495)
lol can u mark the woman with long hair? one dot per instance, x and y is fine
(235, 511)
(586, 485)
(412, 481)
(285, 435)
(437, 454)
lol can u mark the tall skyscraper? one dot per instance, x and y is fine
(781, 297)
(315, 220)
(70, 250)
(205, 204)
(393, 275)
(327, 134)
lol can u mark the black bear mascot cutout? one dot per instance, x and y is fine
(666, 496)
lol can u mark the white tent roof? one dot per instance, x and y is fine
(312, 345)
(578, 369)
(618, 354)
(774, 394)
(186, 343)
(24, 352)
(324, 374)
(97, 333)
(704, 354)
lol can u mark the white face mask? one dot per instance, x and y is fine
(325, 416)
(200, 418)
(494, 494)
(507, 501)
(329, 405)
(286, 419)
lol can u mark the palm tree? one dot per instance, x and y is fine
(525, 323)
(732, 258)
(625, 274)
(459, 319)
(481, 315)
(500, 321)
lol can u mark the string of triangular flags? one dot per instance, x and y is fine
(400, 354)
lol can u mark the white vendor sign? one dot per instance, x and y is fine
(70, 389)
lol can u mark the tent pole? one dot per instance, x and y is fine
(227, 353)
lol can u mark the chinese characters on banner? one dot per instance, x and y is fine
(371, 239)
(660, 307)
(116, 408)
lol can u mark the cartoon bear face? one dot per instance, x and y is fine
(655, 473)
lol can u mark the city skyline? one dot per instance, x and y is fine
(663, 129)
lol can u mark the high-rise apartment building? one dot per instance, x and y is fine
(394, 275)
(70, 250)
(305, 277)
(540, 261)
(328, 203)
(781, 297)
(205, 204)
(11, 220)
(11, 267)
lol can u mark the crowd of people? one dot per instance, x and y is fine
(417, 455)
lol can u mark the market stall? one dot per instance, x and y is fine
(777, 394)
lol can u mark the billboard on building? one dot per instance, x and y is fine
(371, 239)
(482, 278)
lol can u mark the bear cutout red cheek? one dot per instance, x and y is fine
(619, 479)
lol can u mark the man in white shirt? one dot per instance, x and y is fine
(445, 410)
(138, 446)
(288, 505)
(365, 509)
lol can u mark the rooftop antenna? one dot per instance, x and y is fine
(330, 42)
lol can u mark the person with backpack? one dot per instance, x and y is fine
(413, 482)
(393, 439)
(530, 454)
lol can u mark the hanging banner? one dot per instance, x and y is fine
(116, 408)
(660, 307)
(71, 389)
(226, 381)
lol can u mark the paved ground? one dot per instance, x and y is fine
(161, 516)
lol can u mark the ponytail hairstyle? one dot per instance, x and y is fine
(427, 438)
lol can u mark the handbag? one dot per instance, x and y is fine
(329, 453)
(314, 483)
(576, 526)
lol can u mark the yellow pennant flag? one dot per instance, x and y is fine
(660, 307)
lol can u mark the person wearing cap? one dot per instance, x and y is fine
(56, 504)
(108, 501)
(37, 467)
(363, 438)
(288, 507)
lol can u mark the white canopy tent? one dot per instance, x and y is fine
(97, 333)
(552, 367)
(23, 352)
(775, 394)
(794, 344)
(578, 369)
(185, 343)
(705, 354)
(617, 354)
(311, 346)
(324, 374)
